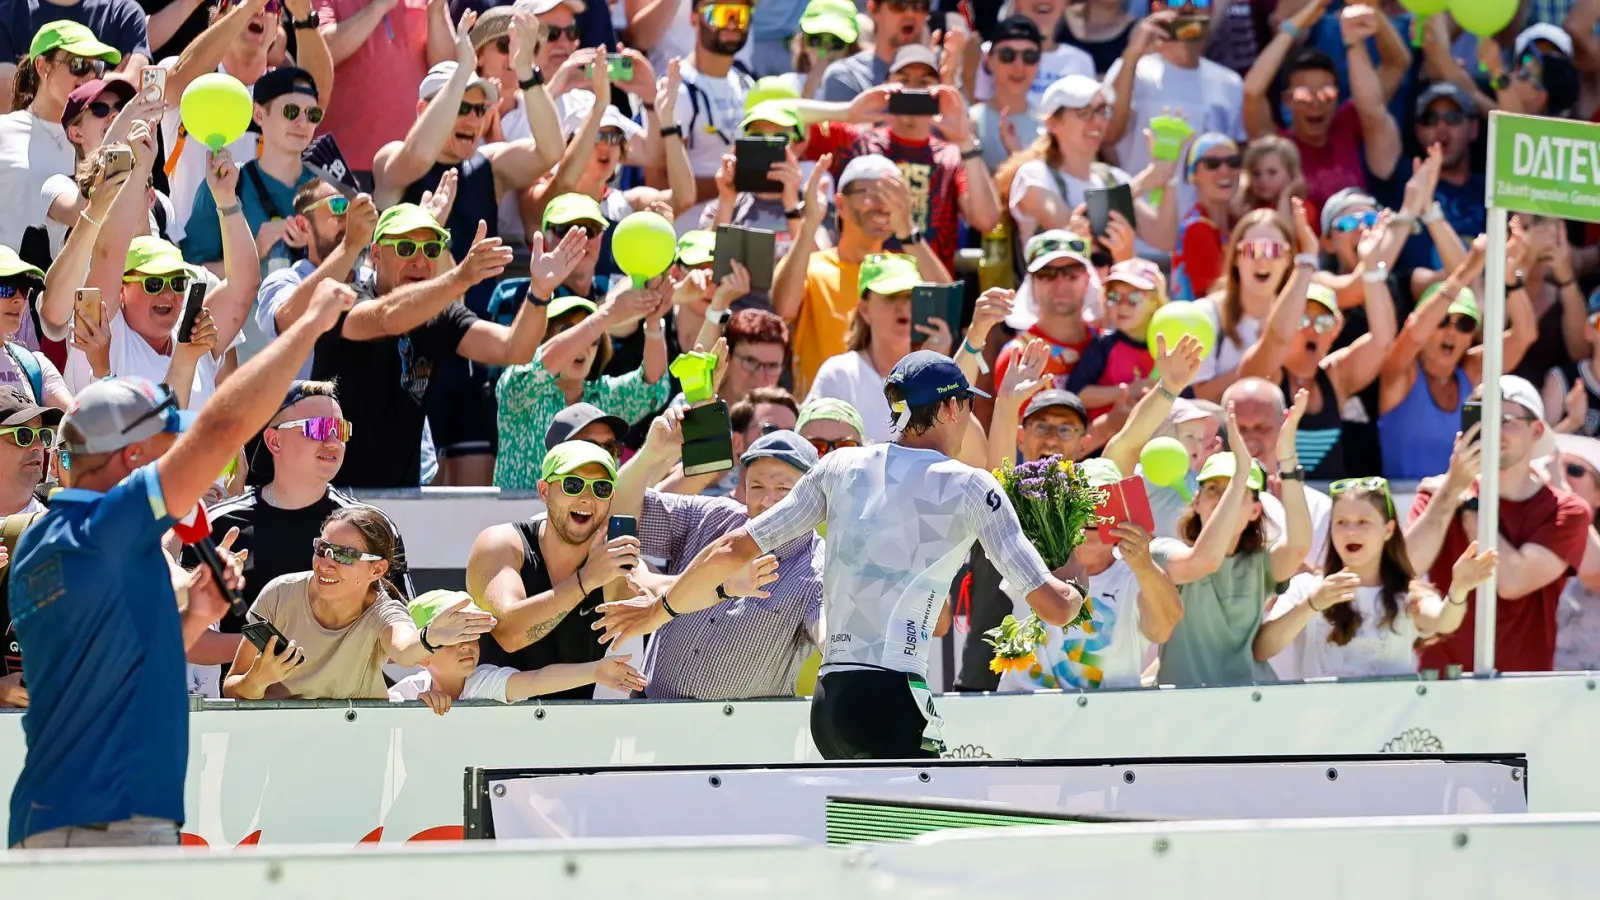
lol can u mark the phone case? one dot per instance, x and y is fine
(622, 526)
(257, 632)
(753, 158)
(942, 301)
(913, 103)
(1471, 414)
(707, 440)
(730, 246)
(191, 310)
(86, 303)
(1126, 501)
(760, 257)
(1102, 200)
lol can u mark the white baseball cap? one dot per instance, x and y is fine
(1518, 390)
(579, 104)
(1073, 92)
(867, 168)
(1543, 31)
(540, 7)
(440, 74)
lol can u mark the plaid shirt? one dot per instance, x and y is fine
(742, 648)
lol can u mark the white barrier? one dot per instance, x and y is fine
(347, 773)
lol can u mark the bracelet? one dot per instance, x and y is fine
(673, 130)
(1434, 214)
(1452, 600)
(1516, 284)
(1563, 285)
(230, 209)
(974, 153)
(966, 345)
(1291, 29)
(84, 215)
(532, 81)
(1162, 390)
(1305, 259)
(977, 354)
(672, 613)
(581, 589)
(423, 637)
(1377, 275)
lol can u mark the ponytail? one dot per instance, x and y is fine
(25, 86)
(1043, 147)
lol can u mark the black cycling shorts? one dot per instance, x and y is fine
(868, 714)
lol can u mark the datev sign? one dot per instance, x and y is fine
(1548, 167)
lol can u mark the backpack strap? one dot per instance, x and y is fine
(11, 530)
(29, 364)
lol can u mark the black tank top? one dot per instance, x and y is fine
(475, 200)
(571, 641)
(1318, 442)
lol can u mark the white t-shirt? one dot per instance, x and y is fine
(900, 524)
(1035, 175)
(677, 42)
(514, 127)
(133, 355)
(31, 150)
(1228, 354)
(1372, 651)
(715, 127)
(850, 377)
(190, 171)
(1109, 653)
(1209, 98)
(485, 683)
(1054, 65)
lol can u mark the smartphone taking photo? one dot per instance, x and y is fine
(707, 439)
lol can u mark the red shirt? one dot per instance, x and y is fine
(1336, 164)
(1063, 357)
(376, 99)
(932, 171)
(1525, 629)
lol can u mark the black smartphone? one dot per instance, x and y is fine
(754, 157)
(913, 103)
(942, 301)
(622, 526)
(1101, 201)
(191, 310)
(707, 439)
(1471, 414)
(259, 631)
(729, 247)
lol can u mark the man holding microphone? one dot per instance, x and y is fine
(101, 618)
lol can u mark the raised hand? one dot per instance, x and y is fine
(546, 271)
(1357, 23)
(1026, 375)
(487, 259)
(952, 120)
(1471, 570)
(786, 173)
(871, 105)
(361, 220)
(735, 285)
(1308, 15)
(1149, 34)
(643, 83)
(1423, 182)
(1466, 459)
(439, 201)
(223, 177)
(329, 301)
(466, 54)
(1178, 366)
(936, 335)
(1291, 424)
(1241, 451)
(667, 97)
(1302, 226)
(615, 673)
(665, 438)
(94, 341)
(692, 287)
(1134, 544)
(752, 580)
(600, 78)
(456, 624)
(1340, 587)
(991, 309)
(816, 195)
(525, 41)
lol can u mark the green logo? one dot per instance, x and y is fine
(1548, 167)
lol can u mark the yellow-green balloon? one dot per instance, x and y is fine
(1425, 7)
(1165, 461)
(216, 109)
(643, 245)
(1177, 319)
(1484, 18)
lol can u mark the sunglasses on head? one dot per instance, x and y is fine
(25, 435)
(177, 282)
(1213, 163)
(292, 111)
(467, 109)
(338, 204)
(1371, 483)
(344, 556)
(1462, 323)
(1355, 221)
(825, 447)
(1263, 248)
(573, 485)
(825, 42)
(320, 428)
(1129, 296)
(1448, 117)
(79, 66)
(102, 110)
(1076, 245)
(406, 248)
(571, 32)
(167, 408)
(1321, 323)
(1009, 55)
(734, 16)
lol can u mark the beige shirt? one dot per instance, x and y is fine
(341, 664)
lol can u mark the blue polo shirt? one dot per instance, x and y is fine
(108, 721)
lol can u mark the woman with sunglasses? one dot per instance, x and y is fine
(343, 620)
(1004, 122)
(1365, 618)
(28, 369)
(828, 32)
(1213, 165)
(830, 424)
(33, 143)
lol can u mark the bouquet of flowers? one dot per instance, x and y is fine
(1054, 503)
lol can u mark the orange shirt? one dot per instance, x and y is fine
(830, 297)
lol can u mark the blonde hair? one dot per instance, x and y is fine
(1230, 306)
(1261, 148)
(1043, 147)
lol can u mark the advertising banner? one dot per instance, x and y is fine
(1547, 167)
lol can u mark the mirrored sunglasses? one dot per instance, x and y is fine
(825, 447)
(338, 204)
(406, 248)
(292, 111)
(80, 66)
(12, 291)
(1355, 221)
(613, 137)
(1129, 296)
(733, 16)
(178, 282)
(1321, 95)
(573, 485)
(1321, 323)
(1076, 245)
(320, 428)
(1263, 248)
(344, 556)
(25, 435)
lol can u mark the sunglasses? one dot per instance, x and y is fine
(732, 16)
(24, 435)
(1579, 470)
(613, 137)
(1070, 271)
(1055, 245)
(1129, 296)
(11, 292)
(344, 556)
(1103, 111)
(573, 485)
(177, 283)
(338, 204)
(168, 404)
(1213, 163)
(1449, 117)
(825, 42)
(292, 111)
(1009, 55)
(1355, 221)
(825, 447)
(467, 109)
(589, 229)
(1320, 95)
(753, 366)
(102, 110)
(901, 6)
(1462, 323)
(405, 248)
(571, 32)
(1371, 483)
(1263, 248)
(321, 428)
(80, 66)
(1321, 323)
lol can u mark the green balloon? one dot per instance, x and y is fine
(1165, 461)
(643, 245)
(216, 109)
(1425, 7)
(1177, 319)
(1484, 18)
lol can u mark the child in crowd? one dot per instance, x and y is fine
(1134, 290)
(1272, 177)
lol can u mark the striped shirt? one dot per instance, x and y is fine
(745, 647)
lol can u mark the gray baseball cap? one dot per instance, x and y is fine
(576, 418)
(114, 413)
(1053, 397)
(785, 446)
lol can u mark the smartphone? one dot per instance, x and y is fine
(942, 301)
(755, 248)
(86, 304)
(622, 526)
(729, 247)
(119, 160)
(1101, 201)
(707, 439)
(753, 158)
(191, 310)
(1471, 414)
(913, 103)
(153, 83)
(259, 631)
(618, 68)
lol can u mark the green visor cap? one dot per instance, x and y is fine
(569, 456)
(888, 273)
(406, 217)
(778, 112)
(1220, 465)
(153, 256)
(569, 208)
(12, 265)
(1465, 303)
(75, 39)
(1100, 472)
(697, 247)
(427, 606)
(832, 409)
(560, 306)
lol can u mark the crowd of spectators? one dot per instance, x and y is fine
(462, 166)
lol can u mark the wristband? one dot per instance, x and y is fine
(798, 212)
(1306, 259)
(673, 130)
(533, 298)
(718, 316)
(1434, 214)
(1377, 275)
(915, 237)
(1162, 390)
(532, 81)
(1291, 29)
(230, 209)
(977, 354)
(1450, 599)
(1519, 280)
(672, 613)
(310, 21)
(974, 153)
(423, 637)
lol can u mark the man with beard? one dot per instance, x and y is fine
(817, 292)
(895, 23)
(542, 578)
(1058, 281)
(1448, 119)
(711, 96)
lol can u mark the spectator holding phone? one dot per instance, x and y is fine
(342, 619)
(895, 24)
(768, 210)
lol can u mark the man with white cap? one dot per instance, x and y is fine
(103, 618)
(1050, 305)
(1543, 534)
(817, 291)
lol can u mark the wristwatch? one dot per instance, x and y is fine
(974, 153)
(915, 237)
(722, 594)
(532, 81)
(1519, 280)
(1298, 473)
(672, 130)
(423, 637)
(798, 212)
(1080, 587)
(310, 21)
(719, 316)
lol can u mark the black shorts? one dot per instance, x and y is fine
(869, 714)
(460, 410)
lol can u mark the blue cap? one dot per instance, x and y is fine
(784, 446)
(926, 378)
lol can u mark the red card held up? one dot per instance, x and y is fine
(1126, 501)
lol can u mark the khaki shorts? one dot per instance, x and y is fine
(139, 831)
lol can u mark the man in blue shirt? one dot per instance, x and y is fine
(103, 619)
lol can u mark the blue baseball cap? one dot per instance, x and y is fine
(784, 446)
(926, 377)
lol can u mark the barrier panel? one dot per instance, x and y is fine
(345, 773)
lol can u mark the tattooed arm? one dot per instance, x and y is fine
(494, 577)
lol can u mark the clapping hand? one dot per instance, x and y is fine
(487, 259)
(437, 202)
(1291, 424)
(547, 271)
(1340, 587)
(1471, 570)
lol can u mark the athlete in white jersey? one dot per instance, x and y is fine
(901, 519)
